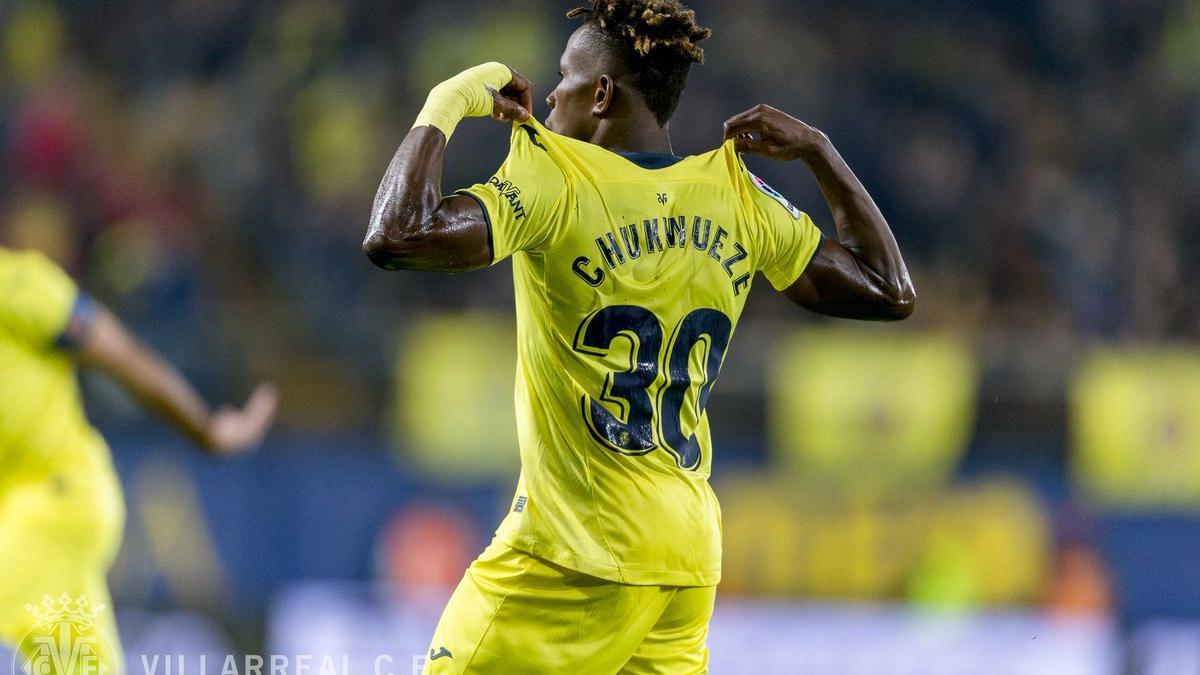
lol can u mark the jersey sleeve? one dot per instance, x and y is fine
(788, 237)
(41, 305)
(524, 200)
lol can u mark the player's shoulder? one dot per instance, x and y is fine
(774, 195)
(757, 190)
(534, 152)
(532, 139)
(37, 263)
(32, 276)
(26, 264)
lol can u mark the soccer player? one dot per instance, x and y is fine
(631, 267)
(61, 510)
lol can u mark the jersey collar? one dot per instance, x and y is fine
(651, 160)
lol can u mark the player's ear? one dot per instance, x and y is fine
(602, 101)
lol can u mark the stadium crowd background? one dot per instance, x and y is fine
(206, 168)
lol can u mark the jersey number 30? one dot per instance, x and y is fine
(630, 389)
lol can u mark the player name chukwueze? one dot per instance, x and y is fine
(657, 236)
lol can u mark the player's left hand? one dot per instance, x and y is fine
(514, 101)
(763, 130)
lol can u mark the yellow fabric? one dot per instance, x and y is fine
(623, 275)
(42, 423)
(59, 536)
(61, 510)
(464, 95)
(514, 613)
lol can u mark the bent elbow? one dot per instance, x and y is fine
(386, 252)
(378, 250)
(899, 305)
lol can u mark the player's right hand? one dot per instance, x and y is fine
(763, 130)
(232, 431)
(514, 101)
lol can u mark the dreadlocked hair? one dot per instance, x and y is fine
(656, 42)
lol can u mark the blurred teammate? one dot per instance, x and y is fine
(631, 268)
(61, 509)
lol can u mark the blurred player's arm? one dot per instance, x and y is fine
(861, 275)
(103, 343)
(412, 225)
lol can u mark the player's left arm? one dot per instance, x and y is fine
(861, 275)
(413, 226)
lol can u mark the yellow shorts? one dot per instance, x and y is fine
(514, 613)
(59, 536)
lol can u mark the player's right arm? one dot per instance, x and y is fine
(43, 308)
(413, 226)
(861, 275)
(103, 343)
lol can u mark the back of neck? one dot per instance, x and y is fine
(629, 135)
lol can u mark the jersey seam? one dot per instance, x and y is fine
(487, 220)
(804, 268)
(554, 240)
(620, 568)
(549, 243)
(524, 543)
(496, 612)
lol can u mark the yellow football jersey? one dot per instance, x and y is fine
(61, 511)
(629, 282)
(42, 423)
